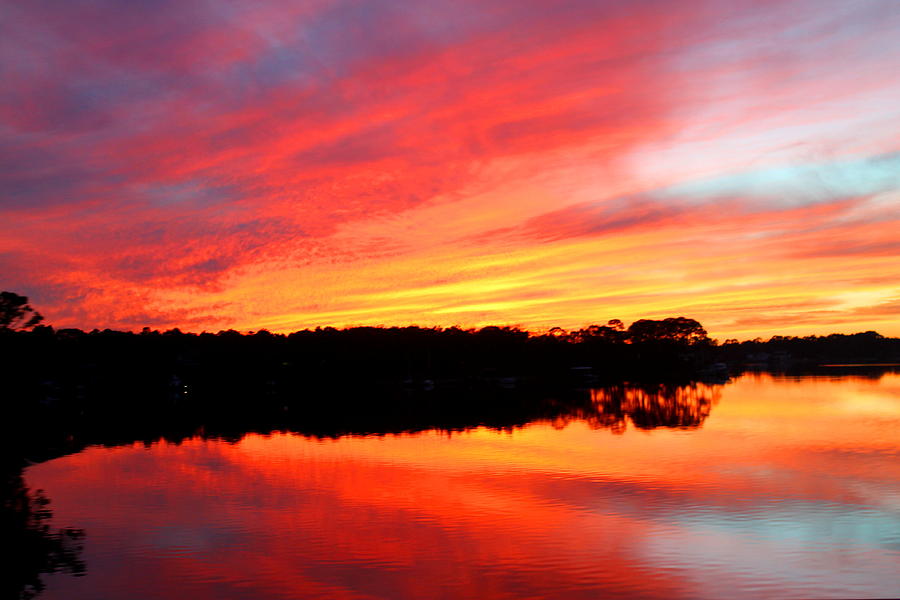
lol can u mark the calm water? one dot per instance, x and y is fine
(787, 487)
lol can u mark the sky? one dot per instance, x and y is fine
(285, 165)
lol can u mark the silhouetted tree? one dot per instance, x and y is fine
(616, 324)
(674, 329)
(612, 332)
(15, 313)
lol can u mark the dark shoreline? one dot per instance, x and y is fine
(69, 384)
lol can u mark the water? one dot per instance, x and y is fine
(770, 486)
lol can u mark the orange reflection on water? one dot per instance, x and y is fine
(785, 487)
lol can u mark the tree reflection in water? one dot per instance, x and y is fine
(33, 547)
(36, 548)
(646, 406)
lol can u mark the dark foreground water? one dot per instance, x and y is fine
(779, 487)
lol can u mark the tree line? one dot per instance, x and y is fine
(49, 362)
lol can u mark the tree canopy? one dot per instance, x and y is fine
(15, 312)
(674, 329)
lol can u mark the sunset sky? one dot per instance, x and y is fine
(283, 164)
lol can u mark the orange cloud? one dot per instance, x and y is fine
(446, 164)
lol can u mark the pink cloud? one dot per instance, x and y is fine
(160, 150)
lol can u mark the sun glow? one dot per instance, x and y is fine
(455, 165)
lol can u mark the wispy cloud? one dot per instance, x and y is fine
(263, 159)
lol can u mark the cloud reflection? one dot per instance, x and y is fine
(782, 488)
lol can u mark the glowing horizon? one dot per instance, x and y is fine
(287, 165)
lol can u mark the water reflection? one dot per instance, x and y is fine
(364, 411)
(33, 547)
(26, 515)
(648, 407)
(767, 486)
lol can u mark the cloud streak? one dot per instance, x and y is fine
(271, 159)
